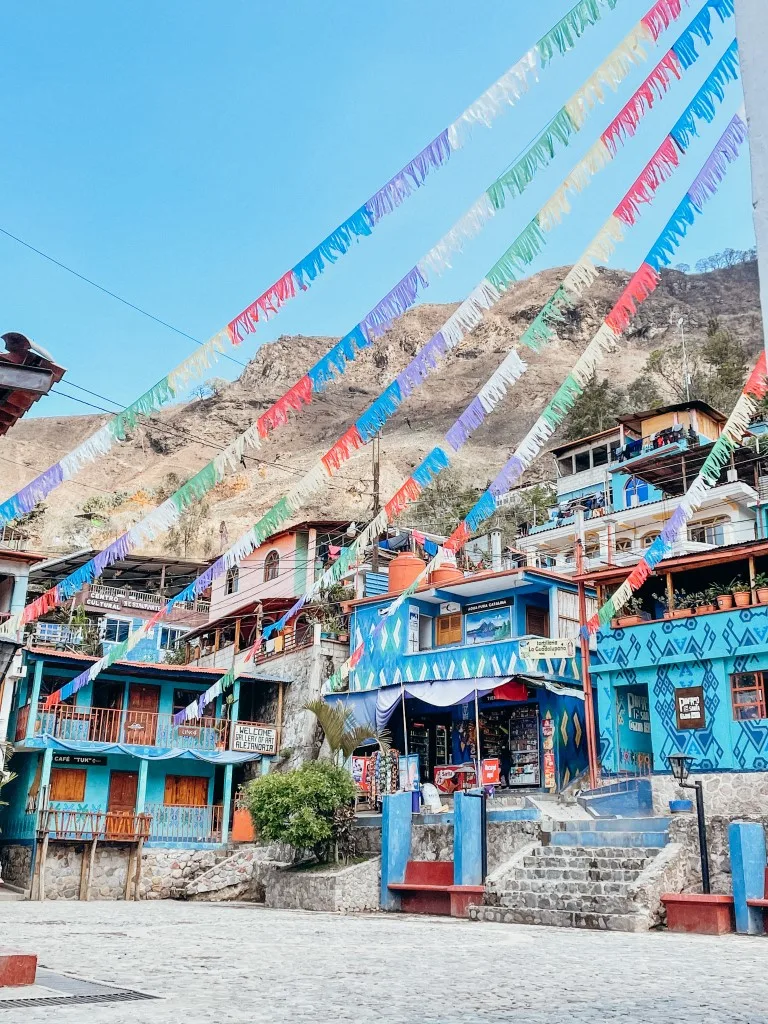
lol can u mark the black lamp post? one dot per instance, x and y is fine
(680, 765)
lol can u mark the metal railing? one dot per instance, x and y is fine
(110, 826)
(113, 725)
(181, 824)
(277, 646)
(141, 599)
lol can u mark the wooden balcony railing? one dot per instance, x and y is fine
(277, 646)
(112, 826)
(139, 728)
(176, 824)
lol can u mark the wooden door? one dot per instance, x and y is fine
(141, 716)
(536, 621)
(186, 791)
(121, 803)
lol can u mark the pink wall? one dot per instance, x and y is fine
(251, 584)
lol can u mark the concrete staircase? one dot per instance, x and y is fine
(582, 878)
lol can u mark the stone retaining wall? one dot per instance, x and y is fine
(731, 794)
(15, 865)
(344, 890)
(683, 829)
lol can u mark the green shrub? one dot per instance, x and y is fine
(301, 807)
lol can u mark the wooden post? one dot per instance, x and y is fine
(129, 872)
(279, 714)
(83, 894)
(752, 578)
(670, 592)
(89, 876)
(216, 640)
(237, 635)
(685, 478)
(41, 870)
(137, 880)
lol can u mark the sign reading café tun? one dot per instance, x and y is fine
(254, 739)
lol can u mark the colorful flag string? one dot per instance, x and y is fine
(520, 254)
(642, 284)
(503, 94)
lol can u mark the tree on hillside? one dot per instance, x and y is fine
(596, 409)
(726, 366)
(444, 504)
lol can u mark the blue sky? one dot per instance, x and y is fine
(185, 154)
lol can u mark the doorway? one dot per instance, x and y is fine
(121, 802)
(106, 711)
(141, 716)
(633, 730)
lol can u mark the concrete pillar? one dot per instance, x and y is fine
(746, 841)
(227, 803)
(235, 707)
(750, 28)
(495, 538)
(467, 840)
(45, 774)
(141, 792)
(34, 699)
(395, 845)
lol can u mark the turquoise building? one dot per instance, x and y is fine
(504, 639)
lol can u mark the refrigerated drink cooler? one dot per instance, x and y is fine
(524, 750)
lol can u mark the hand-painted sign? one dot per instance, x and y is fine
(689, 707)
(81, 760)
(543, 647)
(254, 739)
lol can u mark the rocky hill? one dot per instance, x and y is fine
(179, 440)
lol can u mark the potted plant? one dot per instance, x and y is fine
(761, 587)
(701, 602)
(681, 606)
(633, 614)
(742, 595)
(722, 594)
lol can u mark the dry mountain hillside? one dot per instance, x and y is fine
(179, 440)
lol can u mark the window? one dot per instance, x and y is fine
(649, 538)
(68, 784)
(565, 466)
(624, 544)
(748, 696)
(581, 461)
(600, 456)
(185, 791)
(232, 581)
(709, 532)
(169, 637)
(536, 621)
(271, 566)
(635, 492)
(116, 630)
(448, 630)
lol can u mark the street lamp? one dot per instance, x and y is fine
(680, 766)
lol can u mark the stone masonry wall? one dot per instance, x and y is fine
(683, 829)
(731, 794)
(15, 865)
(346, 890)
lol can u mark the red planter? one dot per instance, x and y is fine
(702, 913)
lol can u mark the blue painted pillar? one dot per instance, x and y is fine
(395, 845)
(34, 699)
(227, 803)
(234, 712)
(45, 774)
(141, 792)
(467, 840)
(746, 840)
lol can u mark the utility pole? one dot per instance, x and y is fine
(586, 678)
(686, 374)
(376, 498)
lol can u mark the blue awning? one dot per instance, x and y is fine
(145, 753)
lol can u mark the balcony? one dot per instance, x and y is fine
(670, 439)
(299, 639)
(98, 597)
(109, 826)
(134, 728)
(176, 824)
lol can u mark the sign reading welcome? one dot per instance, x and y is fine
(254, 739)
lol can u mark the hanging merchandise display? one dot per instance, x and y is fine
(519, 255)
(539, 333)
(732, 434)
(503, 94)
(641, 285)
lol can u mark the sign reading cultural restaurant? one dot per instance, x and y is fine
(254, 739)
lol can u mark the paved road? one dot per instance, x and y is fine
(222, 963)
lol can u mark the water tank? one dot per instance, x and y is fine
(403, 570)
(446, 573)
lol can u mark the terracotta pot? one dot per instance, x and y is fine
(704, 609)
(628, 620)
(724, 601)
(742, 598)
(762, 595)
(678, 613)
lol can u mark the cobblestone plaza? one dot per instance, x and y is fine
(223, 963)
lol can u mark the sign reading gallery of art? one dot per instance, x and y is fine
(254, 739)
(544, 647)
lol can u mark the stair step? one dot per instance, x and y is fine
(587, 863)
(548, 885)
(571, 902)
(562, 918)
(623, 839)
(561, 853)
(578, 874)
(617, 825)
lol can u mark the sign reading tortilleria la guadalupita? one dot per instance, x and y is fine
(544, 647)
(254, 739)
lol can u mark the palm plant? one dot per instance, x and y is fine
(344, 737)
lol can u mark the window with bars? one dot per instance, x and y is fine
(271, 566)
(448, 630)
(748, 696)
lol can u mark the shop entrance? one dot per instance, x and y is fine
(429, 736)
(633, 730)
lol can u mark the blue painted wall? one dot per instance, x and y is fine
(147, 650)
(703, 650)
